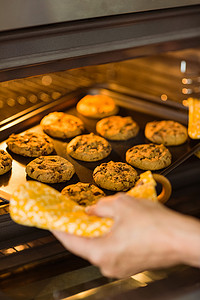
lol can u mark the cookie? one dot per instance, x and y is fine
(50, 169)
(83, 194)
(149, 157)
(5, 162)
(166, 132)
(115, 176)
(117, 128)
(97, 106)
(62, 125)
(89, 147)
(30, 144)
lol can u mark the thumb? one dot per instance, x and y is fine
(76, 244)
(105, 207)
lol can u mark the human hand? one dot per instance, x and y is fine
(145, 235)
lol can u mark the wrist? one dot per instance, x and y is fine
(187, 240)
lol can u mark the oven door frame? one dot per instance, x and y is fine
(61, 46)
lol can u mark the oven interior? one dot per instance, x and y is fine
(33, 264)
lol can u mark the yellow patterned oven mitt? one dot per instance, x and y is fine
(194, 118)
(37, 204)
(145, 187)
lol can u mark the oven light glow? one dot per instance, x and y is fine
(11, 102)
(44, 97)
(8, 251)
(183, 66)
(56, 95)
(142, 278)
(186, 81)
(21, 100)
(163, 97)
(46, 80)
(81, 295)
(185, 102)
(21, 247)
(186, 91)
(33, 98)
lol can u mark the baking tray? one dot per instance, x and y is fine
(140, 110)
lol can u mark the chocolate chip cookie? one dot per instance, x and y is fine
(62, 125)
(50, 169)
(97, 106)
(117, 128)
(5, 162)
(115, 176)
(89, 147)
(166, 132)
(83, 193)
(149, 157)
(30, 144)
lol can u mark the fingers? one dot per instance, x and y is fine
(78, 245)
(106, 207)
(94, 249)
(86, 247)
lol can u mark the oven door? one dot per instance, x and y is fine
(34, 265)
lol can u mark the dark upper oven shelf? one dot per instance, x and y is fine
(37, 13)
(60, 46)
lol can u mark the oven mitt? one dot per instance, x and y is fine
(144, 187)
(194, 118)
(37, 204)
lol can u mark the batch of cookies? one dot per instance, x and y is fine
(114, 176)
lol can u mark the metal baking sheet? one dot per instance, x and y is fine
(128, 107)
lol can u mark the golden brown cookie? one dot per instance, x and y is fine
(89, 147)
(115, 176)
(5, 162)
(117, 128)
(166, 132)
(30, 144)
(83, 194)
(50, 169)
(149, 156)
(97, 106)
(62, 125)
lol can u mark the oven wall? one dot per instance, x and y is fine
(157, 76)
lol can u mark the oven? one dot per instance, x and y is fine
(146, 56)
